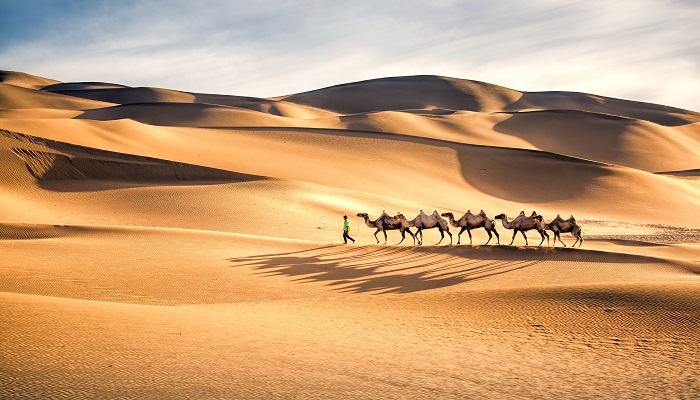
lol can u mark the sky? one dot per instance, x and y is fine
(644, 50)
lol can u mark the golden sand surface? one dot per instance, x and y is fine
(164, 244)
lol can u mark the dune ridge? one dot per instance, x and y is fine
(161, 243)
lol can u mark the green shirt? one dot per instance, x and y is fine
(346, 226)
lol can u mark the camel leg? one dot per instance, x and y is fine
(442, 236)
(375, 235)
(578, 233)
(459, 235)
(420, 232)
(498, 238)
(412, 235)
(470, 236)
(558, 235)
(386, 239)
(525, 236)
(515, 232)
(403, 236)
(543, 234)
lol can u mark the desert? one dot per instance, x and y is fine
(158, 243)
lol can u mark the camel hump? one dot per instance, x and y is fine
(571, 218)
(436, 213)
(522, 213)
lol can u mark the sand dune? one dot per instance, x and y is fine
(413, 92)
(25, 80)
(662, 115)
(159, 243)
(627, 141)
(16, 97)
(125, 95)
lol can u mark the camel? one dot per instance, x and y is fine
(470, 221)
(384, 223)
(523, 223)
(560, 225)
(425, 221)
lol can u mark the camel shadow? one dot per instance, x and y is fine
(382, 269)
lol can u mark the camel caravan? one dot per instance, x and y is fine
(522, 223)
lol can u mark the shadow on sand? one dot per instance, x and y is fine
(382, 269)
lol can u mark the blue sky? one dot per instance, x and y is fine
(640, 50)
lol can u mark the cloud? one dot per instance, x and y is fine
(640, 50)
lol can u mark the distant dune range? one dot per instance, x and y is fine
(160, 243)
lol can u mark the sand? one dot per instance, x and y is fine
(163, 244)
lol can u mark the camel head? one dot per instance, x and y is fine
(447, 214)
(399, 216)
(363, 215)
(500, 216)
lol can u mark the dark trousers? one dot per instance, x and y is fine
(346, 237)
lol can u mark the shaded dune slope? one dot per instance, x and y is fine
(187, 114)
(48, 160)
(659, 114)
(414, 92)
(626, 140)
(125, 95)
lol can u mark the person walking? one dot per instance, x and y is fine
(346, 230)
